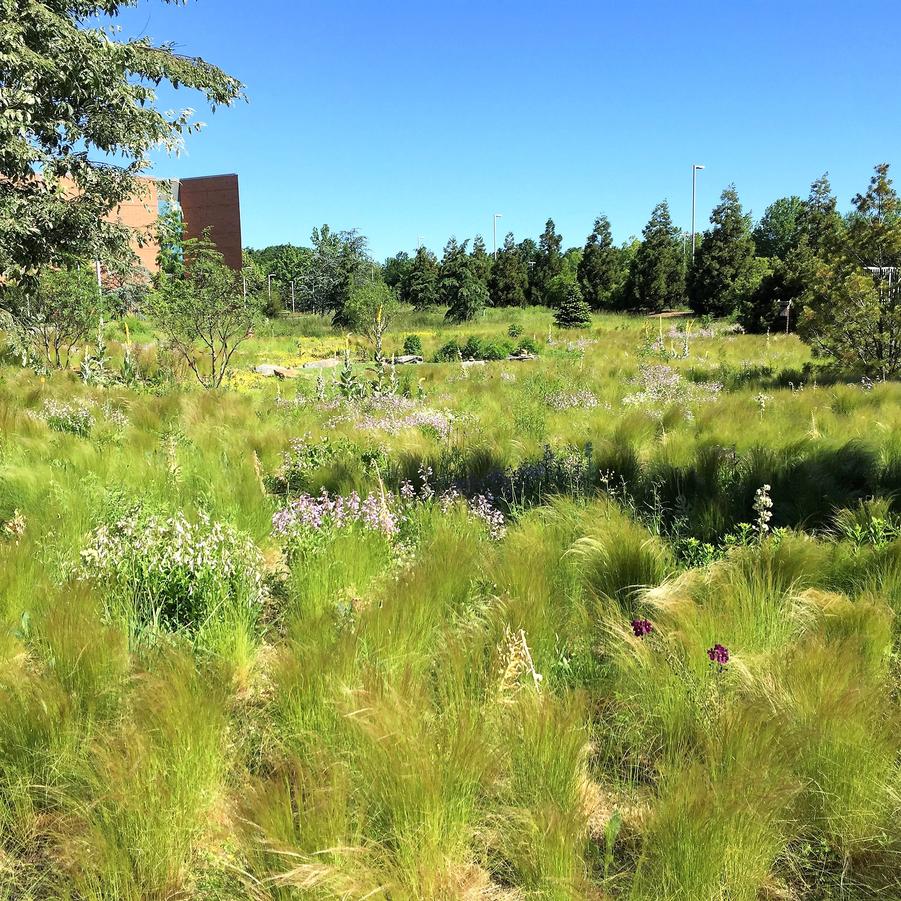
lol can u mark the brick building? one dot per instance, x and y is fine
(208, 202)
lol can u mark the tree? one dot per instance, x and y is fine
(206, 305)
(779, 229)
(853, 311)
(599, 267)
(780, 290)
(819, 220)
(369, 311)
(458, 287)
(509, 282)
(572, 310)
(396, 270)
(48, 318)
(722, 260)
(70, 92)
(481, 262)
(656, 278)
(420, 288)
(548, 263)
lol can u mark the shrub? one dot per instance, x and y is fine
(172, 572)
(413, 345)
(75, 418)
(527, 345)
(448, 352)
(514, 330)
(472, 349)
(496, 350)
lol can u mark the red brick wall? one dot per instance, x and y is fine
(212, 202)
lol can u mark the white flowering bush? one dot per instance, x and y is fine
(174, 572)
(76, 417)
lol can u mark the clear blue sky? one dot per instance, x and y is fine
(409, 119)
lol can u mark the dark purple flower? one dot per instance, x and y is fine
(641, 627)
(718, 654)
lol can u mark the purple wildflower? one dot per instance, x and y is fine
(641, 627)
(719, 655)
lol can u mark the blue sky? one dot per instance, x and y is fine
(420, 120)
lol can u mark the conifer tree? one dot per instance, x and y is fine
(420, 286)
(722, 261)
(819, 220)
(509, 282)
(656, 278)
(548, 263)
(481, 262)
(458, 286)
(599, 267)
(572, 308)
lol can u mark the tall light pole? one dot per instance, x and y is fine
(496, 217)
(694, 190)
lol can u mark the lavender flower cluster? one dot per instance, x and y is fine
(568, 400)
(718, 655)
(384, 512)
(661, 385)
(392, 413)
(334, 511)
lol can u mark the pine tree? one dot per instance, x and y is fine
(779, 231)
(599, 267)
(548, 263)
(656, 278)
(509, 282)
(420, 286)
(458, 286)
(481, 262)
(572, 308)
(723, 259)
(819, 220)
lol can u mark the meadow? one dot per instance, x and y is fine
(620, 622)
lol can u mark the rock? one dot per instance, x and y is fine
(280, 372)
(407, 358)
(523, 356)
(327, 363)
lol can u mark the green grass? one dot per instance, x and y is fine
(443, 714)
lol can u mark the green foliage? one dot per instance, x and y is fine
(656, 279)
(853, 311)
(413, 345)
(719, 273)
(600, 269)
(572, 311)
(369, 311)
(509, 282)
(420, 287)
(548, 263)
(459, 287)
(779, 229)
(78, 94)
(205, 310)
(49, 318)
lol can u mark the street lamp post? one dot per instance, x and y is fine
(694, 180)
(496, 217)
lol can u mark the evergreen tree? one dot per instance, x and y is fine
(458, 286)
(853, 310)
(548, 263)
(600, 266)
(722, 261)
(509, 282)
(656, 278)
(420, 286)
(397, 269)
(481, 262)
(819, 220)
(572, 308)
